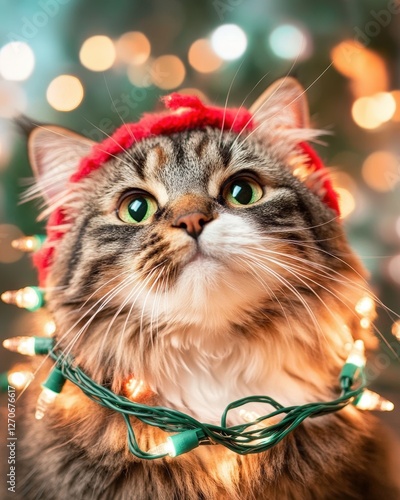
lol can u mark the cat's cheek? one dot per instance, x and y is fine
(228, 236)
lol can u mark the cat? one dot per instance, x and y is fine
(212, 265)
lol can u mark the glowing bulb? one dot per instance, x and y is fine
(365, 306)
(179, 443)
(30, 297)
(51, 388)
(396, 329)
(97, 53)
(17, 61)
(29, 346)
(29, 243)
(370, 400)
(46, 399)
(346, 200)
(229, 41)
(289, 42)
(19, 379)
(65, 93)
(50, 328)
(365, 322)
(357, 354)
(134, 388)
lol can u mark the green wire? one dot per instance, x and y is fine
(242, 439)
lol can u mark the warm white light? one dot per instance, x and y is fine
(380, 171)
(46, 398)
(168, 72)
(202, 58)
(365, 306)
(23, 345)
(65, 93)
(19, 380)
(396, 329)
(288, 42)
(17, 61)
(346, 200)
(97, 53)
(370, 400)
(229, 41)
(357, 354)
(133, 48)
(49, 328)
(371, 112)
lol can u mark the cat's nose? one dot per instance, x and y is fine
(192, 223)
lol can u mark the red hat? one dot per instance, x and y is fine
(190, 114)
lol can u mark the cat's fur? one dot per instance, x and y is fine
(266, 307)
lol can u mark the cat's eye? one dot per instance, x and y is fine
(243, 192)
(136, 207)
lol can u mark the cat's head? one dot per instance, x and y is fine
(195, 238)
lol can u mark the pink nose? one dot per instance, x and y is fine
(192, 223)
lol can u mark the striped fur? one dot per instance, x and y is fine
(262, 303)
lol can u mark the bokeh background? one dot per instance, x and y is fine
(88, 65)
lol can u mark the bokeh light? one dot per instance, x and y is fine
(371, 112)
(396, 329)
(141, 75)
(229, 41)
(202, 57)
(17, 61)
(365, 68)
(65, 93)
(8, 233)
(288, 41)
(346, 200)
(168, 72)
(380, 169)
(13, 99)
(396, 97)
(97, 53)
(394, 269)
(133, 48)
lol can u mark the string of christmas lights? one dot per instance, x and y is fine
(258, 433)
(253, 436)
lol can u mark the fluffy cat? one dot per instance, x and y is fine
(206, 264)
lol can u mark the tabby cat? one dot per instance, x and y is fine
(207, 262)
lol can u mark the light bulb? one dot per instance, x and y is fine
(370, 400)
(179, 443)
(365, 306)
(49, 328)
(51, 388)
(45, 399)
(357, 354)
(30, 297)
(29, 346)
(29, 243)
(19, 379)
(134, 388)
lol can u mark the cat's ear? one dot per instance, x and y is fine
(283, 104)
(54, 154)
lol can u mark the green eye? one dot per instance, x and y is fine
(136, 208)
(243, 192)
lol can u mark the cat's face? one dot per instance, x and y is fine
(199, 238)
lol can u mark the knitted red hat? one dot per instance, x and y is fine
(190, 114)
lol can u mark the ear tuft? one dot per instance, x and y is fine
(54, 154)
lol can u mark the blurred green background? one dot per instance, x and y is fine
(88, 65)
